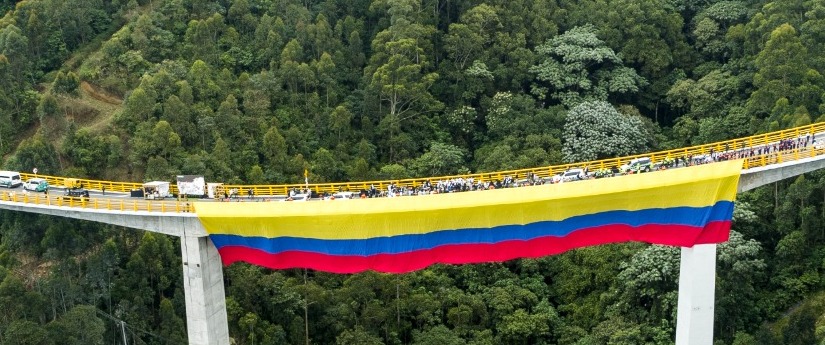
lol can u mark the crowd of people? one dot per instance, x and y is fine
(467, 184)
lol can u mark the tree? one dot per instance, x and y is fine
(228, 120)
(172, 328)
(516, 115)
(436, 336)
(782, 65)
(48, 109)
(327, 166)
(596, 130)
(466, 40)
(66, 83)
(648, 35)
(712, 23)
(14, 45)
(400, 74)
(255, 175)
(339, 123)
(647, 288)
(357, 336)
(577, 66)
(801, 327)
(441, 159)
(400, 79)
(706, 97)
(24, 332)
(36, 152)
(87, 151)
(179, 116)
(139, 106)
(741, 269)
(79, 326)
(274, 148)
(324, 69)
(221, 160)
(522, 327)
(167, 143)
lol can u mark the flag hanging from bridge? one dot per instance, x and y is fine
(678, 207)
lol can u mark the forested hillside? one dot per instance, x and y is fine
(258, 91)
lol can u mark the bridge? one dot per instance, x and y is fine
(762, 163)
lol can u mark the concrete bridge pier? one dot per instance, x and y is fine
(697, 290)
(697, 271)
(206, 321)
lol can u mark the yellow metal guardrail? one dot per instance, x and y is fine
(122, 205)
(749, 145)
(757, 160)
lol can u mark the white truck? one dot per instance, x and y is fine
(191, 186)
(156, 190)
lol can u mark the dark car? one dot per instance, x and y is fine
(77, 192)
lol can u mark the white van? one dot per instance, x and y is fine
(10, 179)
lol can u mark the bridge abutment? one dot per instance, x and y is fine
(206, 320)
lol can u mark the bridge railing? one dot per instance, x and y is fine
(121, 205)
(753, 147)
(733, 145)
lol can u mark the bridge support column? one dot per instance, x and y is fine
(206, 321)
(697, 289)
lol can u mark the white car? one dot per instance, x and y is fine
(573, 175)
(36, 185)
(343, 195)
(297, 197)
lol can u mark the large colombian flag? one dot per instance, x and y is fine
(679, 207)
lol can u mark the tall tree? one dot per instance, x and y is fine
(782, 66)
(596, 130)
(577, 66)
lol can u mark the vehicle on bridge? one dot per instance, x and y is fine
(297, 197)
(191, 186)
(573, 175)
(10, 179)
(156, 190)
(638, 165)
(74, 188)
(36, 185)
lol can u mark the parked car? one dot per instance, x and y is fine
(343, 195)
(77, 192)
(36, 185)
(297, 197)
(573, 175)
(638, 165)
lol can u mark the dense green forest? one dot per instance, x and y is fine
(257, 91)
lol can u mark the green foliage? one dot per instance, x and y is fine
(66, 83)
(78, 326)
(783, 76)
(442, 159)
(800, 328)
(26, 333)
(357, 336)
(35, 152)
(596, 130)
(258, 91)
(579, 67)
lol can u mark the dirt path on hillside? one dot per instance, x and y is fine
(99, 94)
